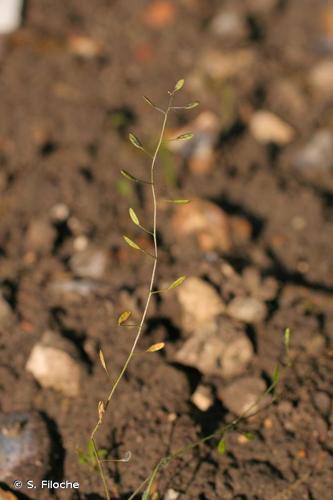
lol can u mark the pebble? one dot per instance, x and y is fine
(199, 152)
(84, 46)
(54, 363)
(202, 397)
(213, 228)
(10, 15)
(40, 236)
(89, 263)
(247, 309)
(323, 403)
(24, 446)
(317, 154)
(171, 494)
(59, 212)
(200, 302)
(7, 495)
(221, 65)
(229, 25)
(268, 128)
(239, 396)
(220, 349)
(321, 77)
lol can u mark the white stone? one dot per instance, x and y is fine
(202, 397)
(10, 15)
(199, 301)
(247, 309)
(54, 368)
(267, 127)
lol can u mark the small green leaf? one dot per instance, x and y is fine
(177, 282)
(124, 317)
(83, 459)
(179, 202)
(250, 436)
(184, 137)
(102, 453)
(135, 141)
(276, 375)
(221, 447)
(132, 243)
(91, 448)
(179, 85)
(146, 495)
(192, 105)
(134, 217)
(287, 334)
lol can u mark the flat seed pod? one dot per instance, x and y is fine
(135, 141)
(134, 217)
(177, 282)
(179, 85)
(184, 137)
(179, 202)
(150, 102)
(192, 105)
(124, 317)
(132, 243)
(102, 359)
(156, 347)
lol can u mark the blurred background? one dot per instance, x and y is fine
(255, 243)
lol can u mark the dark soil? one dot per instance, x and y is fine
(61, 141)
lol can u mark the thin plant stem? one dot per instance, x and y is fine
(149, 296)
(219, 434)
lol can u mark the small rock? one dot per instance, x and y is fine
(229, 25)
(199, 152)
(213, 228)
(321, 77)
(202, 397)
(317, 154)
(247, 309)
(89, 263)
(54, 363)
(171, 494)
(220, 349)
(199, 301)
(159, 13)
(268, 128)
(224, 65)
(242, 394)
(7, 495)
(59, 212)
(84, 46)
(24, 447)
(40, 236)
(323, 403)
(10, 15)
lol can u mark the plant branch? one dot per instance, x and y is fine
(149, 296)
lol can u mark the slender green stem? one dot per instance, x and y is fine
(149, 296)
(248, 413)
